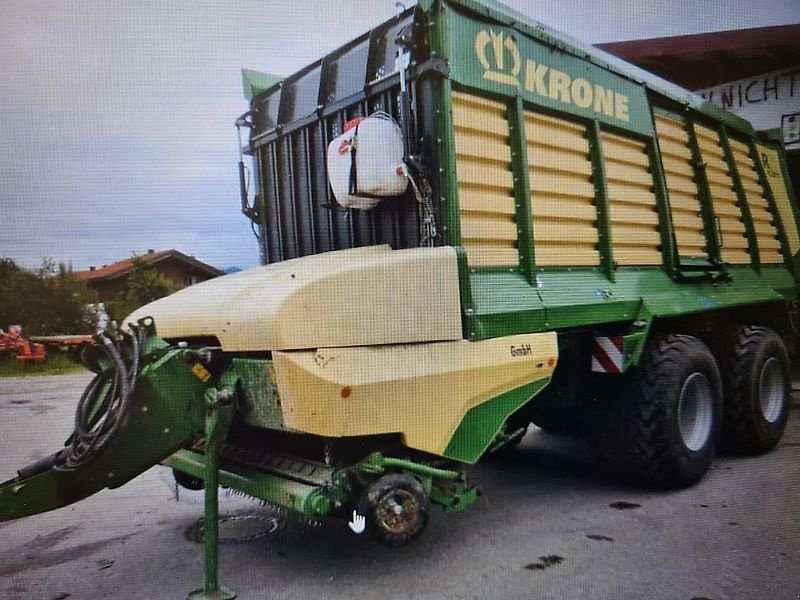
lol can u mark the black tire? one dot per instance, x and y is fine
(558, 420)
(757, 388)
(660, 423)
(389, 524)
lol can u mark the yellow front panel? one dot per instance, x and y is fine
(421, 391)
(631, 202)
(676, 158)
(770, 162)
(485, 182)
(734, 247)
(562, 192)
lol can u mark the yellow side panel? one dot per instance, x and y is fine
(632, 203)
(477, 173)
(491, 254)
(479, 115)
(725, 196)
(623, 150)
(721, 178)
(734, 248)
(557, 124)
(626, 192)
(485, 182)
(770, 162)
(558, 159)
(670, 129)
(674, 148)
(542, 130)
(686, 188)
(626, 173)
(640, 213)
(741, 147)
(709, 148)
(684, 202)
(552, 207)
(421, 391)
(769, 246)
(636, 256)
(582, 252)
(678, 167)
(477, 201)
(557, 180)
(706, 134)
(562, 192)
(477, 145)
(753, 187)
(489, 230)
(551, 231)
(676, 158)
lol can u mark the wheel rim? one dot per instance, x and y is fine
(695, 411)
(772, 388)
(398, 512)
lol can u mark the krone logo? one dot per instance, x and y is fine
(500, 71)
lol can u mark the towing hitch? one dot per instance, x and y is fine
(141, 406)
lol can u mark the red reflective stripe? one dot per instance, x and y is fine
(605, 361)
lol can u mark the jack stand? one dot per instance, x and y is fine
(219, 405)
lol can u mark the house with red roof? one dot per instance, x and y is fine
(182, 270)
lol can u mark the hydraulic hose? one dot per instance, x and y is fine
(104, 404)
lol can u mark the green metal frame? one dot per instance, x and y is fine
(164, 410)
(792, 262)
(522, 188)
(322, 500)
(600, 182)
(712, 232)
(219, 414)
(744, 207)
(669, 247)
(527, 298)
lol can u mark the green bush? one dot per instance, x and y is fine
(45, 301)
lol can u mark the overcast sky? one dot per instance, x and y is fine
(116, 118)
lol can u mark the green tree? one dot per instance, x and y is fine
(45, 301)
(144, 285)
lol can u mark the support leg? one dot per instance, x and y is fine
(218, 418)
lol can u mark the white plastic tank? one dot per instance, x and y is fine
(365, 163)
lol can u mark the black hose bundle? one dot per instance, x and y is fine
(105, 403)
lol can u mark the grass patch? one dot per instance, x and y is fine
(57, 363)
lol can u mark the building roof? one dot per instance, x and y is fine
(124, 267)
(707, 59)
